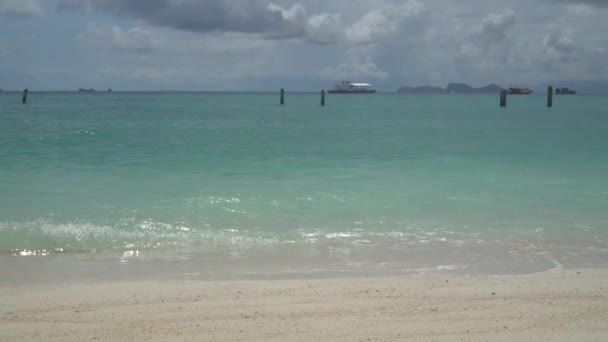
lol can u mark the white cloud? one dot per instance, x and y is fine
(372, 26)
(325, 28)
(381, 23)
(295, 14)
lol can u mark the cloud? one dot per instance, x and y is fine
(251, 16)
(362, 70)
(378, 34)
(381, 23)
(488, 46)
(562, 52)
(595, 3)
(494, 26)
(112, 36)
(580, 9)
(559, 46)
(325, 28)
(256, 17)
(17, 44)
(259, 17)
(20, 9)
(221, 43)
(193, 69)
(253, 43)
(148, 41)
(373, 25)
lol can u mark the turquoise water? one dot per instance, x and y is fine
(205, 171)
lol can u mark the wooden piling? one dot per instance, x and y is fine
(282, 96)
(322, 98)
(503, 98)
(550, 97)
(24, 96)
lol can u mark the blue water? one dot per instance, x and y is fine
(204, 171)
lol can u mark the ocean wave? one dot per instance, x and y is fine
(45, 236)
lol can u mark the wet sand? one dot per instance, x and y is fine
(559, 305)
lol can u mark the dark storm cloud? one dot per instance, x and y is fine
(249, 16)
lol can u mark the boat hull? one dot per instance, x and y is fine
(351, 92)
(519, 91)
(565, 91)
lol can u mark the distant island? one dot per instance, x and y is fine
(456, 88)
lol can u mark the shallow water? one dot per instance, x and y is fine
(412, 182)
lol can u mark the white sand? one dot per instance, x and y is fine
(567, 305)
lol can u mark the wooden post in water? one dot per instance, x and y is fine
(282, 96)
(323, 98)
(550, 97)
(24, 96)
(503, 98)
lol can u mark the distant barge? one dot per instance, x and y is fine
(519, 91)
(565, 91)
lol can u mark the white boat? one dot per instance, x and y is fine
(348, 87)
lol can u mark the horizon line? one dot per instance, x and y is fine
(12, 91)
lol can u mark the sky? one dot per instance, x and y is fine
(300, 44)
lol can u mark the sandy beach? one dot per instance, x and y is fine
(560, 305)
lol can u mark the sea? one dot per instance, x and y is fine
(210, 185)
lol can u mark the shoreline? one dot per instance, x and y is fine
(553, 305)
(283, 264)
(297, 261)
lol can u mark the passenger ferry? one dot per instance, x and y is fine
(347, 87)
